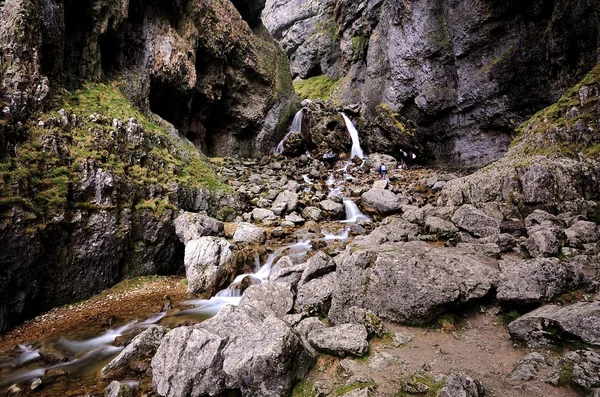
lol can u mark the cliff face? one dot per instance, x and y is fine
(213, 72)
(466, 72)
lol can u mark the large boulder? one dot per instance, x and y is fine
(285, 202)
(242, 348)
(536, 280)
(382, 201)
(544, 240)
(317, 266)
(552, 323)
(393, 229)
(476, 222)
(192, 226)
(249, 233)
(408, 282)
(461, 385)
(340, 340)
(582, 232)
(314, 297)
(143, 346)
(581, 367)
(205, 261)
(375, 159)
(272, 296)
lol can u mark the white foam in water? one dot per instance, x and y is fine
(345, 166)
(296, 127)
(307, 179)
(331, 180)
(107, 338)
(331, 236)
(356, 149)
(353, 214)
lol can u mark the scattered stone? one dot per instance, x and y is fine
(263, 215)
(382, 201)
(382, 360)
(36, 384)
(581, 367)
(249, 233)
(400, 339)
(286, 202)
(312, 213)
(527, 367)
(333, 208)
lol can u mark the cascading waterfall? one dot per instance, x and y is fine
(356, 149)
(296, 127)
(353, 214)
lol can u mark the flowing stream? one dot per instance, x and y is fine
(296, 127)
(356, 149)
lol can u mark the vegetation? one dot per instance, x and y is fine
(340, 391)
(46, 169)
(565, 374)
(303, 389)
(433, 386)
(318, 87)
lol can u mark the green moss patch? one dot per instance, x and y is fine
(318, 87)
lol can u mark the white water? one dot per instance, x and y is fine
(331, 180)
(353, 214)
(356, 149)
(296, 127)
(332, 236)
(307, 179)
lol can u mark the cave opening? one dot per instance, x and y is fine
(111, 46)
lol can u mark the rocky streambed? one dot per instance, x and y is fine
(332, 282)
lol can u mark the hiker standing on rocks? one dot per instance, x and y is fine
(383, 171)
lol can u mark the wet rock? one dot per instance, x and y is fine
(249, 233)
(52, 355)
(192, 226)
(205, 261)
(581, 367)
(340, 340)
(527, 367)
(333, 208)
(312, 213)
(536, 280)
(460, 384)
(14, 391)
(286, 202)
(382, 201)
(238, 349)
(476, 221)
(582, 232)
(408, 282)
(318, 265)
(550, 323)
(275, 297)
(142, 346)
(117, 389)
(53, 373)
(36, 384)
(314, 297)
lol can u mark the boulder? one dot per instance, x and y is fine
(439, 226)
(461, 385)
(249, 233)
(263, 215)
(117, 389)
(238, 349)
(333, 208)
(549, 323)
(314, 297)
(340, 340)
(286, 271)
(544, 240)
(476, 222)
(536, 280)
(276, 297)
(382, 201)
(393, 229)
(294, 218)
(582, 232)
(488, 249)
(413, 214)
(408, 282)
(317, 266)
(192, 226)
(285, 202)
(538, 217)
(581, 367)
(375, 159)
(205, 261)
(142, 346)
(527, 367)
(312, 213)
(52, 355)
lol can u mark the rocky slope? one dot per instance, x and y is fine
(467, 73)
(213, 72)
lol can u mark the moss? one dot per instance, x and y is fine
(447, 322)
(359, 46)
(565, 374)
(570, 297)
(433, 385)
(508, 317)
(340, 391)
(303, 389)
(318, 87)
(48, 165)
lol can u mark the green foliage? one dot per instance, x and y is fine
(359, 46)
(47, 167)
(570, 297)
(318, 87)
(565, 374)
(508, 317)
(447, 322)
(303, 389)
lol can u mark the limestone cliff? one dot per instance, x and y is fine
(466, 72)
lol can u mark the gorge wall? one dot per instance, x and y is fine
(466, 72)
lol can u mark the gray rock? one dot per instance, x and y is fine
(314, 297)
(263, 215)
(275, 297)
(239, 349)
(317, 266)
(375, 159)
(506, 242)
(547, 324)
(441, 227)
(488, 249)
(295, 218)
(308, 325)
(286, 271)
(286, 202)
(538, 217)
(581, 367)
(381, 184)
(413, 214)
(312, 213)
(249, 233)
(408, 282)
(117, 389)
(527, 367)
(460, 384)
(335, 209)
(582, 232)
(394, 229)
(205, 261)
(536, 280)
(340, 340)
(476, 221)
(142, 346)
(192, 226)
(544, 240)
(438, 186)
(383, 201)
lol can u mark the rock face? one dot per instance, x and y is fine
(548, 323)
(465, 67)
(205, 261)
(242, 349)
(408, 282)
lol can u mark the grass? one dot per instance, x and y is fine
(303, 388)
(318, 87)
(47, 168)
(508, 317)
(340, 391)
(447, 322)
(433, 386)
(565, 374)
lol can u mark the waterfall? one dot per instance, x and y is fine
(356, 149)
(353, 214)
(296, 127)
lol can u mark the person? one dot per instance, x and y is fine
(383, 171)
(411, 158)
